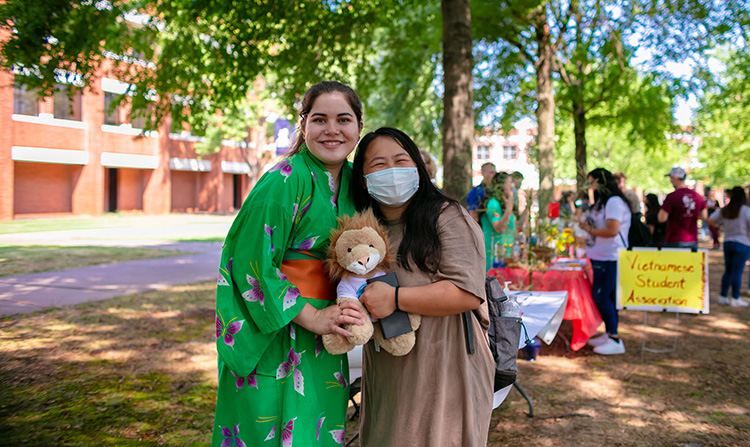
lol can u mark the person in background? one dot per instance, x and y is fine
(476, 195)
(496, 217)
(658, 229)
(430, 164)
(273, 296)
(735, 220)
(581, 208)
(712, 205)
(681, 210)
(629, 194)
(567, 210)
(437, 395)
(520, 201)
(607, 222)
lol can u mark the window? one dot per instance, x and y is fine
(138, 119)
(138, 122)
(111, 112)
(25, 100)
(67, 104)
(510, 152)
(483, 152)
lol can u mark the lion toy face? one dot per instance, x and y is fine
(359, 247)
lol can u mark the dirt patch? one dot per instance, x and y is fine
(141, 370)
(698, 395)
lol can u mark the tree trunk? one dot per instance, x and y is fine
(579, 130)
(458, 107)
(545, 113)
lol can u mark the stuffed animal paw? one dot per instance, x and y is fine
(400, 344)
(338, 344)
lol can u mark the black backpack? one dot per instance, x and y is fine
(504, 334)
(639, 234)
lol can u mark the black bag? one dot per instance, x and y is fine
(504, 334)
(639, 234)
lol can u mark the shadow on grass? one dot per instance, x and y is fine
(136, 370)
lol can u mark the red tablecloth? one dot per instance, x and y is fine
(580, 309)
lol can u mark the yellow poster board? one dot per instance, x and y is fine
(667, 280)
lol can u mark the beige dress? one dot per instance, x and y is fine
(438, 394)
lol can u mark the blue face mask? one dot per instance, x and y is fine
(393, 186)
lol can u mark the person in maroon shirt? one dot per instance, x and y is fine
(681, 210)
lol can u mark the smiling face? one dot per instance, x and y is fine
(331, 130)
(385, 153)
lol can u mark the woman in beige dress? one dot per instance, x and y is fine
(438, 394)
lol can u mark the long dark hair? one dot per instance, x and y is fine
(495, 191)
(309, 99)
(606, 189)
(421, 242)
(737, 199)
(652, 203)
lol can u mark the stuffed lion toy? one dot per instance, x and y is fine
(359, 251)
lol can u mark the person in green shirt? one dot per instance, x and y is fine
(277, 385)
(497, 219)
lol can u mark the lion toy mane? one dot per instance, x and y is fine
(360, 250)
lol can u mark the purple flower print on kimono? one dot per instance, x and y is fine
(295, 216)
(307, 243)
(289, 368)
(338, 436)
(252, 381)
(232, 437)
(286, 434)
(290, 296)
(340, 379)
(269, 232)
(319, 425)
(318, 345)
(332, 186)
(285, 167)
(227, 330)
(221, 280)
(255, 293)
(271, 434)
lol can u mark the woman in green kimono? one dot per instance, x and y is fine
(277, 385)
(497, 220)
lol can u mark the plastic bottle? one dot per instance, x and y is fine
(510, 307)
(518, 247)
(497, 258)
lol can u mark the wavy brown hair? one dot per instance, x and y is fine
(309, 99)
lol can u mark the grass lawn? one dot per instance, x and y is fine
(110, 220)
(141, 370)
(23, 259)
(130, 371)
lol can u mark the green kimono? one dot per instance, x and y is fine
(492, 237)
(277, 385)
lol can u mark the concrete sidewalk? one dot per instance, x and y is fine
(28, 293)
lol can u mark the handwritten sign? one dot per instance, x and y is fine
(669, 280)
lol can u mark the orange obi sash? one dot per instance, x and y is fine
(310, 277)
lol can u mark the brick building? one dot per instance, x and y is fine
(74, 156)
(507, 152)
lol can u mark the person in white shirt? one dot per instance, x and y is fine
(607, 224)
(735, 219)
